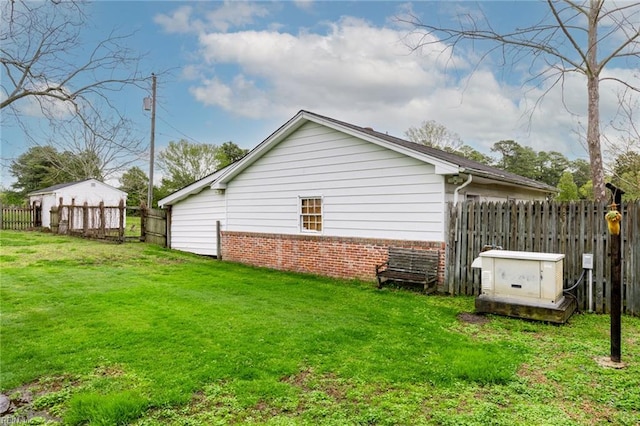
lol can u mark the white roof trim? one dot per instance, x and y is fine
(72, 184)
(188, 190)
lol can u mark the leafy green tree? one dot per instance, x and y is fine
(475, 155)
(551, 166)
(38, 168)
(159, 192)
(626, 174)
(184, 162)
(135, 183)
(581, 170)
(229, 153)
(43, 166)
(516, 158)
(11, 198)
(586, 191)
(568, 188)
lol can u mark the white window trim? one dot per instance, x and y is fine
(300, 227)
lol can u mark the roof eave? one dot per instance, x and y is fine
(536, 186)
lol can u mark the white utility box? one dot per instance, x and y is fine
(530, 278)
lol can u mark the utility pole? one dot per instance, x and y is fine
(153, 137)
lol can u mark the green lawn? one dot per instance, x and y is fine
(132, 227)
(95, 333)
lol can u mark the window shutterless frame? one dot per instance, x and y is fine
(310, 213)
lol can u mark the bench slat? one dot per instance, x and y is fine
(409, 266)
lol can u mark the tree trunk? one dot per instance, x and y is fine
(593, 90)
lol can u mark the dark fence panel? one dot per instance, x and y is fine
(570, 228)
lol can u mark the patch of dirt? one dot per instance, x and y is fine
(606, 362)
(472, 318)
(535, 374)
(20, 402)
(299, 380)
(326, 383)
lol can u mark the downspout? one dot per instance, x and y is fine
(455, 192)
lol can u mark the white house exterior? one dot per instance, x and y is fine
(90, 191)
(320, 195)
(195, 211)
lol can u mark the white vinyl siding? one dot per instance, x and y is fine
(193, 223)
(367, 191)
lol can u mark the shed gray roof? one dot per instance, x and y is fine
(54, 188)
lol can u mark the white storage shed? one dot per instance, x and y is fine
(90, 191)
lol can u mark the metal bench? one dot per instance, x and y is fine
(410, 267)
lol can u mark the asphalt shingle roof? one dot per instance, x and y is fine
(470, 166)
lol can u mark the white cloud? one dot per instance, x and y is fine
(354, 64)
(304, 4)
(178, 22)
(230, 14)
(365, 74)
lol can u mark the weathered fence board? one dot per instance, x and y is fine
(552, 227)
(102, 222)
(20, 218)
(154, 226)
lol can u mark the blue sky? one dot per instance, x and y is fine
(239, 70)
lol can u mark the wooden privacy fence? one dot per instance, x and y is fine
(153, 224)
(569, 228)
(103, 222)
(20, 218)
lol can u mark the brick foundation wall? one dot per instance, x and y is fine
(329, 256)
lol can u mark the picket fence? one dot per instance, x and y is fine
(20, 218)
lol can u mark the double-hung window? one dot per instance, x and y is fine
(311, 214)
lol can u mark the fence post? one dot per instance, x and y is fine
(54, 218)
(168, 227)
(121, 211)
(143, 222)
(1, 216)
(218, 241)
(85, 219)
(102, 226)
(616, 281)
(72, 211)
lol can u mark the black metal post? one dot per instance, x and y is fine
(616, 282)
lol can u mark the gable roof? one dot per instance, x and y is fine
(54, 188)
(445, 163)
(192, 188)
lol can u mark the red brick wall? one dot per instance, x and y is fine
(329, 256)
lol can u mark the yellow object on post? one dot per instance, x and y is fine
(613, 220)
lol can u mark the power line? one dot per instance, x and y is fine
(179, 131)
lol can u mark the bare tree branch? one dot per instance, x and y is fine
(558, 40)
(47, 68)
